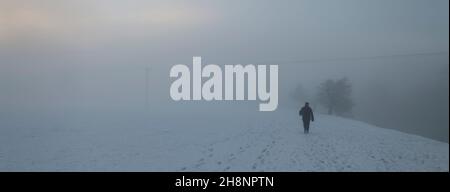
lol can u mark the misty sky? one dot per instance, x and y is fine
(58, 55)
(247, 30)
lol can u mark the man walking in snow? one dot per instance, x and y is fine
(307, 116)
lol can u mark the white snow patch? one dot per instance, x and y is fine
(268, 142)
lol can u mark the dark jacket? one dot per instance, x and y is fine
(306, 113)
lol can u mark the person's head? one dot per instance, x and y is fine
(307, 104)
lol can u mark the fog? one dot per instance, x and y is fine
(60, 59)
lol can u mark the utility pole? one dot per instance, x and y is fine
(147, 89)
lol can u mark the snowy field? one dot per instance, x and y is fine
(261, 142)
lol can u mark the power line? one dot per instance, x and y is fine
(355, 58)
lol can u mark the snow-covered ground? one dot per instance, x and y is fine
(263, 142)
